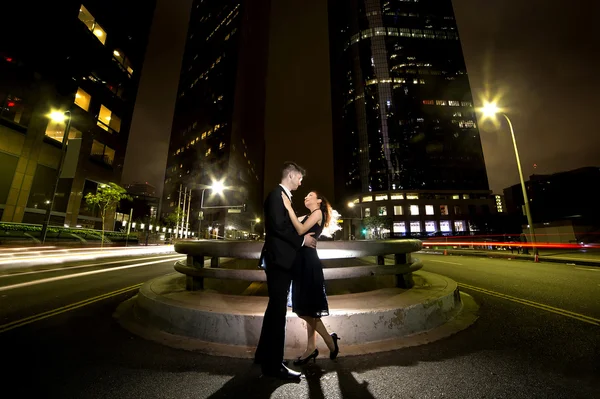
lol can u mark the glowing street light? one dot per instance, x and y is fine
(489, 111)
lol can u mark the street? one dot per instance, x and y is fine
(537, 337)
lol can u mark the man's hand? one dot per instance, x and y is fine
(310, 241)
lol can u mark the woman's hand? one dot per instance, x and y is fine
(286, 202)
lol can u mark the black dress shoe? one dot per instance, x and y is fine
(336, 350)
(282, 373)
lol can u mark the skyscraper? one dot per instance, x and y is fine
(404, 124)
(84, 57)
(405, 110)
(217, 133)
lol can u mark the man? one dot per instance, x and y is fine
(281, 244)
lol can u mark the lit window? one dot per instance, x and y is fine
(382, 211)
(459, 226)
(108, 121)
(102, 152)
(429, 209)
(415, 227)
(14, 110)
(86, 17)
(221, 145)
(56, 130)
(381, 197)
(466, 196)
(412, 196)
(207, 152)
(440, 102)
(82, 99)
(367, 199)
(398, 210)
(466, 103)
(430, 226)
(443, 210)
(367, 212)
(445, 226)
(123, 62)
(399, 227)
(414, 210)
(454, 103)
(397, 196)
(456, 196)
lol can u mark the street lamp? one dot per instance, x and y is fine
(60, 117)
(490, 110)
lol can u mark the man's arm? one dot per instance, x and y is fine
(277, 218)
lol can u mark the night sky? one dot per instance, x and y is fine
(537, 54)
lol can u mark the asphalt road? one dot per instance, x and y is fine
(538, 336)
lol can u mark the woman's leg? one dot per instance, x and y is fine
(311, 336)
(322, 330)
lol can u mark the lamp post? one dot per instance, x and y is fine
(56, 116)
(217, 188)
(490, 110)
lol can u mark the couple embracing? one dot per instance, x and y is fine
(290, 256)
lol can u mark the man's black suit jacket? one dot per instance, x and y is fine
(281, 238)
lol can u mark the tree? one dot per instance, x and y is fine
(107, 197)
(173, 219)
(377, 222)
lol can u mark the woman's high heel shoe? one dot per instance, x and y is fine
(336, 349)
(313, 356)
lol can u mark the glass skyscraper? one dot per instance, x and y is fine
(404, 116)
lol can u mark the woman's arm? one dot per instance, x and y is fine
(314, 217)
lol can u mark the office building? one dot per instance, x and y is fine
(81, 57)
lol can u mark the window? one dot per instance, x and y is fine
(430, 226)
(445, 226)
(86, 17)
(382, 211)
(207, 152)
(221, 145)
(444, 210)
(382, 197)
(56, 131)
(367, 212)
(123, 62)
(398, 210)
(102, 153)
(15, 110)
(412, 196)
(440, 102)
(466, 196)
(82, 99)
(415, 227)
(399, 227)
(397, 196)
(454, 103)
(466, 103)
(108, 121)
(429, 209)
(367, 199)
(459, 226)
(427, 102)
(457, 210)
(414, 210)
(456, 196)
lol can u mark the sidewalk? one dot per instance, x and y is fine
(582, 257)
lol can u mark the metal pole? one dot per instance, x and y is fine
(187, 222)
(178, 213)
(59, 171)
(183, 212)
(201, 210)
(525, 198)
(129, 225)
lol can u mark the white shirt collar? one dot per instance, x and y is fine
(288, 192)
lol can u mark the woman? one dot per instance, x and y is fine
(309, 300)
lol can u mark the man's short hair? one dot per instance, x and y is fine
(289, 167)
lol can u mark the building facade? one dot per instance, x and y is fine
(218, 132)
(81, 57)
(403, 114)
